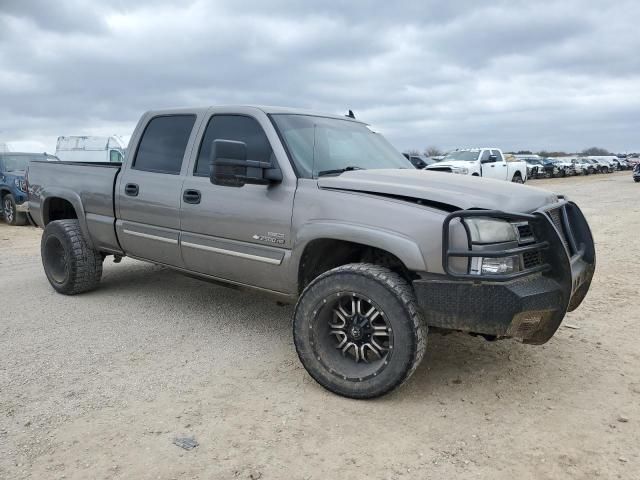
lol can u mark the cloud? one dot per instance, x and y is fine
(552, 75)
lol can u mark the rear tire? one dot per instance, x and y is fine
(517, 178)
(10, 213)
(358, 330)
(70, 264)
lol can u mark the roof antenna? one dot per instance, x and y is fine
(350, 114)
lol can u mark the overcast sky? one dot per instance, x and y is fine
(531, 74)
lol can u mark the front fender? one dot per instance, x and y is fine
(399, 245)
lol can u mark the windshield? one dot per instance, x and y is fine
(17, 163)
(319, 144)
(462, 155)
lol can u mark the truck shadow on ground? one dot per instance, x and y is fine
(455, 360)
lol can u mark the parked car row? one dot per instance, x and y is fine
(487, 162)
(541, 167)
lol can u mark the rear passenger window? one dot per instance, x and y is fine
(163, 143)
(238, 128)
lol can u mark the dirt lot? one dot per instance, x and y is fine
(99, 385)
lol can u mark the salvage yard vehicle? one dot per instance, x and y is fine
(549, 168)
(321, 211)
(533, 165)
(603, 165)
(482, 162)
(623, 164)
(597, 166)
(80, 148)
(565, 168)
(579, 168)
(13, 184)
(636, 173)
(587, 167)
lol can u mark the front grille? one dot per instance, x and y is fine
(556, 215)
(525, 233)
(531, 259)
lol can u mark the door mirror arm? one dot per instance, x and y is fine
(229, 167)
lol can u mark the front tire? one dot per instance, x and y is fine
(70, 264)
(10, 213)
(358, 331)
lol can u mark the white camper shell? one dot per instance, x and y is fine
(91, 149)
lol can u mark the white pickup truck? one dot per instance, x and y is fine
(482, 162)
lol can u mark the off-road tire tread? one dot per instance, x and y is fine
(86, 263)
(403, 291)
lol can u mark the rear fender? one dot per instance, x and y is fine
(70, 196)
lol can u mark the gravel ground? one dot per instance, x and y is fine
(99, 385)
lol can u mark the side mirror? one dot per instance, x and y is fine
(417, 162)
(229, 167)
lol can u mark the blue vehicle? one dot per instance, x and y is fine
(13, 184)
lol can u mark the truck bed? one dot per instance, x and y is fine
(89, 185)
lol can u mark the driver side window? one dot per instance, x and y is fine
(238, 128)
(485, 156)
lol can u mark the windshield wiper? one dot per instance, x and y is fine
(338, 171)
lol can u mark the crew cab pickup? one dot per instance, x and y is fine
(482, 162)
(321, 211)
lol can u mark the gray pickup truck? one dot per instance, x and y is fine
(321, 211)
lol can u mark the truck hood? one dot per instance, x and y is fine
(443, 190)
(452, 163)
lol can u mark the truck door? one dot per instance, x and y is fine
(496, 167)
(150, 189)
(238, 234)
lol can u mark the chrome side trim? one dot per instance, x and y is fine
(173, 241)
(233, 253)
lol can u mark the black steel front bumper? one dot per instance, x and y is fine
(529, 304)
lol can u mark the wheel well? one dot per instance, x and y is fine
(322, 255)
(475, 174)
(58, 209)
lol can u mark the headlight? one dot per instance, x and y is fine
(486, 230)
(494, 266)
